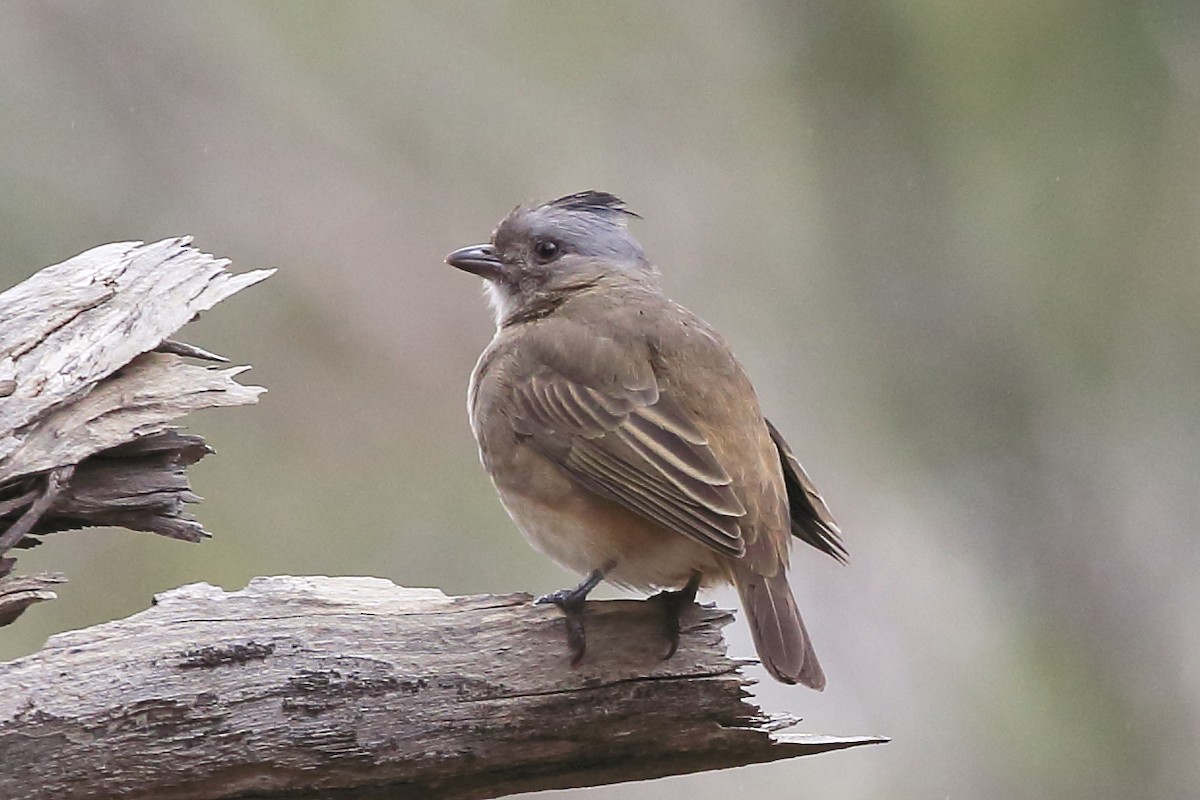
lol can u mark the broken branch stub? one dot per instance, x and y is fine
(90, 382)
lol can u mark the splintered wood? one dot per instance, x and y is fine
(89, 385)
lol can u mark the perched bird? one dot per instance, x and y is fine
(624, 438)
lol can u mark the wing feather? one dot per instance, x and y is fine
(811, 519)
(672, 451)
(635, 446)
(653, 501)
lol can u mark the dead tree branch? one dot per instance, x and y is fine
(356, 688)
(89, 384)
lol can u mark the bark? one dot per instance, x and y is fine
(356, 688)
(89, 384)
(17, 593)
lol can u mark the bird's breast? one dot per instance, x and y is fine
(582, 531)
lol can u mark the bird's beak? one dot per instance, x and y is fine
(480, 259)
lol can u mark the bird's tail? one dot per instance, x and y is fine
(779, 634)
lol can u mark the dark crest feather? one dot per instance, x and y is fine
(594, 202)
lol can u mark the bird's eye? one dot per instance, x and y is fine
(546, 249)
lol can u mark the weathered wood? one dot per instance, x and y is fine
(90, 382)
(19, 592)
(73, 324)
(356, 688)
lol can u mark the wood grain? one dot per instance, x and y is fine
(90, 383)
(318, 687)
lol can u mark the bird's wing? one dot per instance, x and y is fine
(634, 445)
(811, 521)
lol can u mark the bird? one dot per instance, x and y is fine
(624, 438)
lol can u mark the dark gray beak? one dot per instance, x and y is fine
(480, 259)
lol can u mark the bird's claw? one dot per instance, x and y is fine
(576, 637)
(674, 602)
(571, 606)
(571, 602)
(556, 598)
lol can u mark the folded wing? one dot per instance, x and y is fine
(636, 446)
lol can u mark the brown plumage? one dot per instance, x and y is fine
(623, 436)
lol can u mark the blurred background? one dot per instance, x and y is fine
(954, 243)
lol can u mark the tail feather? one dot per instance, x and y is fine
(780, 637)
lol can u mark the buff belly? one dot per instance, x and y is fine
(583, 532)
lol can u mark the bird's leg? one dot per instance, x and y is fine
(571, 602)
(674, 602)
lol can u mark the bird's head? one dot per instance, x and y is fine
(540, 255)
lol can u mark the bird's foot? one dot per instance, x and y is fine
(571, 602)
(559, 598)
(674, 602)
(571, 605)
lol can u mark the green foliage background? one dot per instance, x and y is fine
(955, 243)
